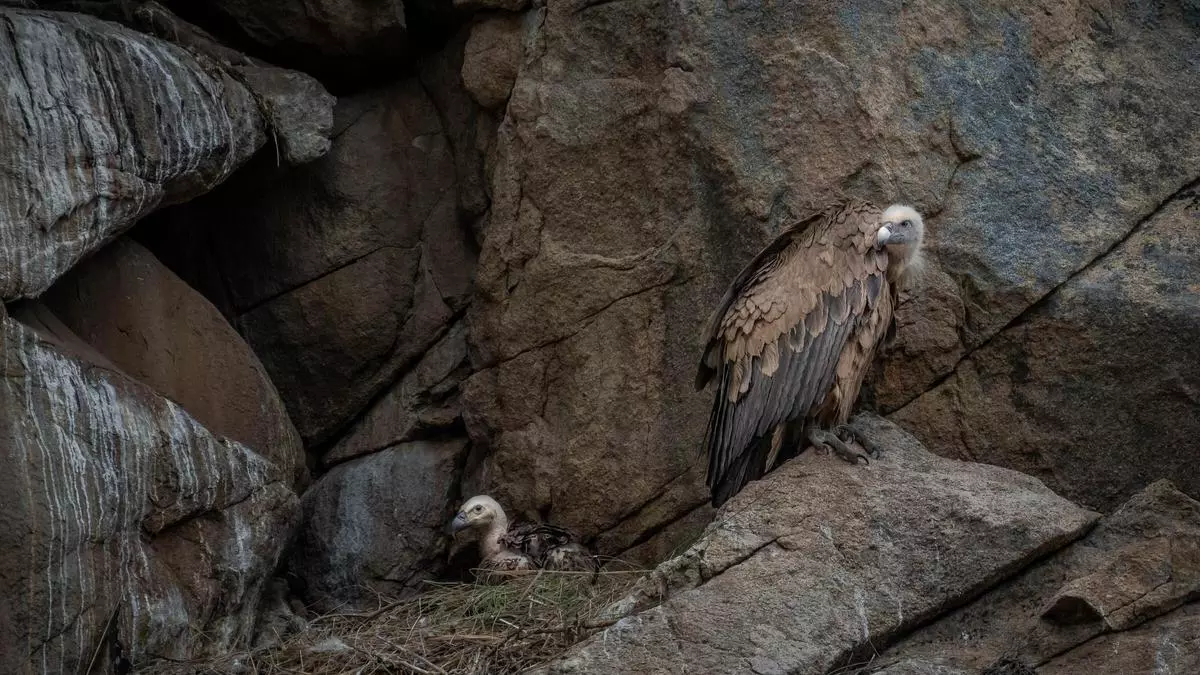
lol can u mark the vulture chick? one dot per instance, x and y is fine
(794, 336)
(522, 546)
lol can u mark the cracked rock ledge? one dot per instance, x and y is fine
(913, 564)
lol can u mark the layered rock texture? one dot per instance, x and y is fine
(151, 461)
(147, 323)
(137, 532)
(100, 126)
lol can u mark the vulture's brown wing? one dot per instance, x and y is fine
(775, 340)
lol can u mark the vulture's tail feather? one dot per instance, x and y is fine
(747, 467)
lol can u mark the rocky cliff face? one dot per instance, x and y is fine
(484, 266)
(1052, 147)
(1093, 388)
(897, 568)
(145, 322)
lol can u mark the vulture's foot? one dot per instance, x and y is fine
(821, 438)
(849, 432)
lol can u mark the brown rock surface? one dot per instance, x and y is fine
(145, 320)
(342, 272)
(424, 402)
(812, 567)
(492, 57)
(636, 171)
(101, 125)
(127, 525)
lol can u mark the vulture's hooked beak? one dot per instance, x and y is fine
(882, 237)
(459, 522)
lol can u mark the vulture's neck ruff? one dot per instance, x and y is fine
(491, 543)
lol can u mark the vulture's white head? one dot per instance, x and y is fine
(477, 512)
(901, 231)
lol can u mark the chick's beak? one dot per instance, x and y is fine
(459, 522)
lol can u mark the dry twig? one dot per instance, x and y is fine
(448, 629)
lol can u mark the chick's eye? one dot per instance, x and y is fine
(907, 223)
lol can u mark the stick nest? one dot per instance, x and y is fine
(524, 621)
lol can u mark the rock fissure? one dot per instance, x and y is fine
(1038, 305)
(582, 325)
(326, 273)
(382, 395)
(640, 507)
(829, 609)
(658, 528)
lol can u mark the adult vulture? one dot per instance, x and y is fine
(795, 334)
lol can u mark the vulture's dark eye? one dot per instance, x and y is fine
(478, 507)
(907, 223)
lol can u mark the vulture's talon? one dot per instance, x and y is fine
(849, 432)
(831, 441)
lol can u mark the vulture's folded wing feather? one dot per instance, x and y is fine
(536, 540)
(776, 338)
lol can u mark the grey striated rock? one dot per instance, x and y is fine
(298, 109)
(1128, 590)
(127, 525)
(375, 524)
(100, 126)
(148, 323)
(821, 562)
